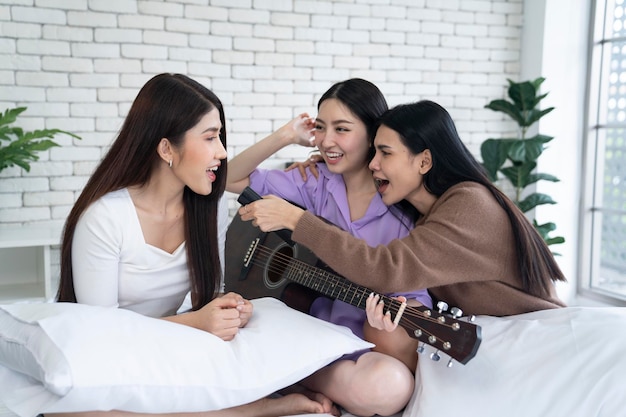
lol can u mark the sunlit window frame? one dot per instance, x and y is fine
(597, 90)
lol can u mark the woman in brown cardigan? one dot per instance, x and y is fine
(471, 246)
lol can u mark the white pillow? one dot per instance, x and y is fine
(566, 362)
(64, 357)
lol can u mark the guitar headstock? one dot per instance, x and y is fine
(444, 330)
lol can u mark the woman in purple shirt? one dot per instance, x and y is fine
(343, 192)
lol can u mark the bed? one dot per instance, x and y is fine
(67, 357)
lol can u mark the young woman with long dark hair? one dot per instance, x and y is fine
(343, 194)
(144, 233)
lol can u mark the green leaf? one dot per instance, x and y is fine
(42, 145)
(19, 147)
(517, 151)
(534, 200)
(519, 174)
(10, 115)
(46, 133)
(537, 83)
(523, 95)
(544, 228)
(533, 178)
(23, 164)
(507, 108)
(527, 150)
(540, 138)
(541, 97)
(525, 98)
(493, 153)
(7, 133)
(554, 241)
(533, 115)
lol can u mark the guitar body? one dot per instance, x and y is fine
(267, 279)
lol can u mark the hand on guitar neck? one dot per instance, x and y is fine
(397, 343)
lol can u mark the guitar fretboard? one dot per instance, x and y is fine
(331, 285)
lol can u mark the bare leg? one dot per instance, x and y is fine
(374, 384)
(327, 404)
(291, 404)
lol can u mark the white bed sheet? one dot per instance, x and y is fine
(4, 412)
(560, 363)
(568, 362)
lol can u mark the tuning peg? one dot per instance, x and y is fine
(435, 356)
(456, 312)
(450, 363)
(442, 306)
(420, 348)
(472, 318)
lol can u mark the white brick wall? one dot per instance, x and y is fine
(77, 65)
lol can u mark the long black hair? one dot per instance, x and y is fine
(426, 125)
(166, 107)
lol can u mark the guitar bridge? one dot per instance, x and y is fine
(247, 259)
(250, 252)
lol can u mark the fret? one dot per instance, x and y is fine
(352, 293)
(292, 273)
(333, 286)
(323, 279)
(342, 293)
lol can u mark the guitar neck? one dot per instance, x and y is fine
(333, 286)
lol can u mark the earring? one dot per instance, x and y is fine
(170, 163)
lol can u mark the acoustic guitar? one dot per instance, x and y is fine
(262, 264)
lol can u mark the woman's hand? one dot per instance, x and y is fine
(300, 129)
(378, 315)
(244, 306)
(310, 163)
(388, 338)
(224, 316)
(271, 213)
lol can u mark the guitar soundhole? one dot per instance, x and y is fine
(274, 273)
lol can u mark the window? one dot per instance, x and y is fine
(604, 213)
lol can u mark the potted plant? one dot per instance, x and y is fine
(515, 159)
(20, 148)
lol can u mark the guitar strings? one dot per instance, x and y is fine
(340, 282)
(284, 263)
(393, 305)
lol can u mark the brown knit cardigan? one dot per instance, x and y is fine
(462, 251)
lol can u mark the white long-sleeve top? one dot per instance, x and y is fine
(113, 266)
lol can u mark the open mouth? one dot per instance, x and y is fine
(381, 184)
(334, 155)
(211, 173)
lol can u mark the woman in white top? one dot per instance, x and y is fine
(144, 231)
